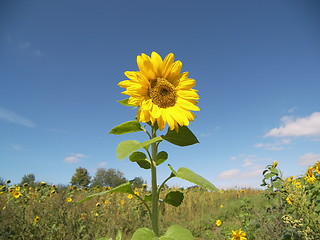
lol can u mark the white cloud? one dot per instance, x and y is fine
(309, 159)
(102, 164)
(237, 174)
(276, 146)
(12, 117)
(75, 157)
(297, 127)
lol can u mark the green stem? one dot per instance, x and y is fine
(154, 189)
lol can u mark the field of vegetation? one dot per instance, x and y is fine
(286, 209)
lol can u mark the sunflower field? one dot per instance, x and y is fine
(286, 209)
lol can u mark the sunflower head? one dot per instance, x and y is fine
(163, 93)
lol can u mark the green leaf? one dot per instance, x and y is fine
(275, 171)
(148, 197)
(277, 184)
(127, 127)
(126, 148)
(104, 238)
(141, 159)
(161, 157)
(187, 174)
(144, 233)
(119, 235)
(123, 188)
(174, 198)
(167, 238)
(184, 137)
(269, 175)
(125, 103)
(178, 233)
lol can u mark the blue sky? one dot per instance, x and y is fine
(256, 64)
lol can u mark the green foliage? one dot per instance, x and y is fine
(184, 137)
(127, 127)
(174, 232)
(108, 178)
(174, 198)
(81, 178)
(125, 103)
(138, 182)
(141, 159)
(126, 148)
(187, 174)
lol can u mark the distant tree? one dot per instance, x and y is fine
(81, 177)
(138, 182)
(109, 178)
(2, 181)
(28, 179)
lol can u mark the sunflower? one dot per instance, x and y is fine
(36, 219)
(162, 93)
(218, 223)
(238, 235)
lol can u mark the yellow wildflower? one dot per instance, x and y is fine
(290, 200)
(162, 93)
(130, 196)
(238, 235)
(98, 204)
(274, 164)
(218, 223)
(16, 194)
(36, 219)
(69, 199)
(122, 202)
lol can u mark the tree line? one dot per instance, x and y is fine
(103, 177)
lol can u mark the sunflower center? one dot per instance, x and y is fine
(162, 93)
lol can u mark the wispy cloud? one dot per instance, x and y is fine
(75, 157)
(25, 46)
(13, 147)
(12, 117)
(297, 127)
(276, 146)
(309, 159)
(238, 174)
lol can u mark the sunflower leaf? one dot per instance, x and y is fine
(123, 188)
(128, 147)
(127, 127)
(184, 137)
(187, 174)
(141, 159)
(125, 103)
(174, 198)
(161, 157)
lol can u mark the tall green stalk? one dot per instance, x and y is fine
(154, 190)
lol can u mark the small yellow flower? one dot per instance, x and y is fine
(16, 194)
(30, 188)
(310, 176)
(106, 202)
(130, 196)
(290, 179)
(43, 184)
(317, 167)
(122, 202)
(218, 223)
(137, 193)
(69, 199)
(36, 219)
(238, 235)
(25, 184)
(298, 184)
(290, 200)
(274, 164)
(98, 204)
(74, 187)
(221, 206)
